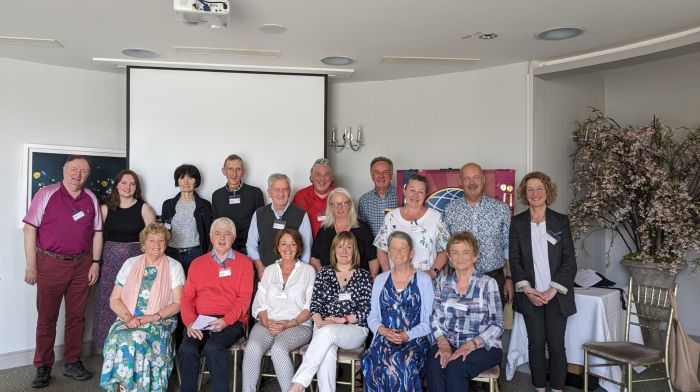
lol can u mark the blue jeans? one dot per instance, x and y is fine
(455, 377)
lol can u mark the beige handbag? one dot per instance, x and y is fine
(683, 355)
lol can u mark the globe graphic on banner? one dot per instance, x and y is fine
(440, 199)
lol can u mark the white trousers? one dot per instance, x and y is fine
(321, 357)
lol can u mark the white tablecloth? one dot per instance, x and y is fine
(599, 317)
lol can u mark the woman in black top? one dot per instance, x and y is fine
(339, 308)
(341, 215)
(188, 217)
(124, 215)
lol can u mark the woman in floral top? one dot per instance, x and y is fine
(467, 320)
(339, 308)
(424, 225)
(138, 354)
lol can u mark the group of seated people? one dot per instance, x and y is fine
(325, 279)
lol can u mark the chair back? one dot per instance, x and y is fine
(650, 309)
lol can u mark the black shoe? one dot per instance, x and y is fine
(43, 375)
(77, 371)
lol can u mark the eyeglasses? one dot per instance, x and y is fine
(340, 204)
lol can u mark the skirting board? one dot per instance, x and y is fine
(26, 357)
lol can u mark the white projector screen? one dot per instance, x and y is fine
(275, 122)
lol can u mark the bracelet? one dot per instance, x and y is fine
(160, 318)
(347, 320)
(508, 277)
(98, 262)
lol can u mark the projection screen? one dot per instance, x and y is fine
(275, 122)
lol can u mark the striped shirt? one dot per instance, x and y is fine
(476, 314)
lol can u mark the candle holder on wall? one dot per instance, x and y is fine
(353, 141)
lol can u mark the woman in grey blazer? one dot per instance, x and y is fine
(543, 265)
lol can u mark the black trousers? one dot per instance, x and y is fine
(546, 327)
(215, 346)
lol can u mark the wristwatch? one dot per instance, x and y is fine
(437, 272)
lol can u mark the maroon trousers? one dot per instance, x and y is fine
(58, 279)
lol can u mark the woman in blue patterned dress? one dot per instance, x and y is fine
(401, 305)
(138, 353)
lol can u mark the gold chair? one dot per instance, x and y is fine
(489, 376)
(235, 349)
(345, 357)
(649, 308)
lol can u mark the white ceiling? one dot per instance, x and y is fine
(364, 30)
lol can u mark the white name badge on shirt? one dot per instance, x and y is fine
(281, 295)
(224, 273)
(279, 224)
(321, 218)
(344, 297)
(168, 226)
(460, 306)
(234, 200)
(78, 215)
(550, 239)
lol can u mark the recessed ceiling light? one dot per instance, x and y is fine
(557, 33)
(488, 36)
(272, 28)
(337, 60)
(140, 53)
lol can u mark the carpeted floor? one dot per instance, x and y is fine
(19, 379)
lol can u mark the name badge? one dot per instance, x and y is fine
(321, 218)
(279, 224)
(551, 239)
(234, 200)
(78, 215)
(344, 297)
(281, 295)
(168, 226)
(224, 273)
(460, 306)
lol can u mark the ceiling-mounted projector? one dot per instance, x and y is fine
(212, 13)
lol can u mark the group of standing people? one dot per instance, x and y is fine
(315, 270)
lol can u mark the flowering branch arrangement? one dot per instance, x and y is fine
(642, 183)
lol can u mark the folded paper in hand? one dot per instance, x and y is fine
(202, 322)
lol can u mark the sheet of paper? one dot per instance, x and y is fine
(586, 278)
(202, 322)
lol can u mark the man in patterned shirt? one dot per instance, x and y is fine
(374, 204)
(489, 221)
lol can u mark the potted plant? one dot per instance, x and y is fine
(643, 184)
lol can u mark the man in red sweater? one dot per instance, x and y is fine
(214, 307)
(314, 197)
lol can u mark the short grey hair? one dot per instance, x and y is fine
(402, 236)
(276, 177)
(225, 222)
(322, 162)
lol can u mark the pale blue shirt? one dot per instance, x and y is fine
(254, 237)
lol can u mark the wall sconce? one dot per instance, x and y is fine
(347, 139)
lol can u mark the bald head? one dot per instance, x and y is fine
(472, 179)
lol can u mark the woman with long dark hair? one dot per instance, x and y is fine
(124, 215)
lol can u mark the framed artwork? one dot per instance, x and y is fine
(445, 186)
(43, 165)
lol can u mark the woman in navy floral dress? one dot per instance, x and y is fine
(402, 301)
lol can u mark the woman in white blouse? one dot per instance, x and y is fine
(425, 226)
(281, 308)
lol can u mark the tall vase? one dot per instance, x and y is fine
(651, 274)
